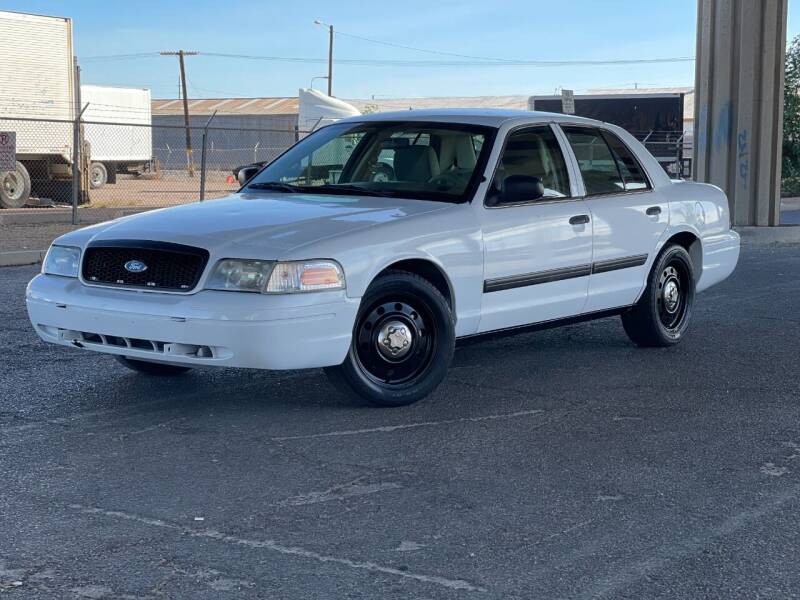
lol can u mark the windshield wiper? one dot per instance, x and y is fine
(350, 189)
(279, 186)
(275, 186)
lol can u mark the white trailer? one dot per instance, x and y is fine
(37, 83)
(118, 130)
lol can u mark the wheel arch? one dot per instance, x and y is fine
(689, 240)
(428, 269)
(692, 243)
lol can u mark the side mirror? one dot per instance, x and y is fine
(245, 174)
(521, 188)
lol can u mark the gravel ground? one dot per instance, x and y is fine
(172, 188)
(560, 464)
(33, 236)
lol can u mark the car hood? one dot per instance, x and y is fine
(263, 225)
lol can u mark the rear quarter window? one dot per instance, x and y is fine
(630, 169)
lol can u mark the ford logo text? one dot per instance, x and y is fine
(135, 266)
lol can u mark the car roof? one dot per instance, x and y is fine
(471, 116)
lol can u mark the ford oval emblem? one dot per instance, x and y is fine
(135, 266)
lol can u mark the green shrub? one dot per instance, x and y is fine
(790, 172)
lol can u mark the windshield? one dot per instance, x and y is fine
(426, 161)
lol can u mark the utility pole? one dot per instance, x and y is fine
(181, 54)
(330, 60)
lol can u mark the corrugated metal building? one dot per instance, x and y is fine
(515, 102)
(259, 129)
(392, 104)
(244, 130)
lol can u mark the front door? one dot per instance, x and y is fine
(537, 249)
(629, 216)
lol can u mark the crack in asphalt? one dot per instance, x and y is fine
(273, 546)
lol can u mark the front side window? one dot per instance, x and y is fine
(596, 162)
(418, 160)
(533, 153)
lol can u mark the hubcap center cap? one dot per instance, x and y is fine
(394, 339)
(671, 295)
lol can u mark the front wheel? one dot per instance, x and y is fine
(403, 342)
(663, 313)
(151, 368)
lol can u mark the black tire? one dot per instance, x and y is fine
(663, 313)
(15, 187)
(151, 368)
(98, 175)
(389, 374)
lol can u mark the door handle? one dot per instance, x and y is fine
(653, 211)
(579, 220)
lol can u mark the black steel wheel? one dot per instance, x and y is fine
(151, 368)
(394, 340)
(403, 342)
(662, 315)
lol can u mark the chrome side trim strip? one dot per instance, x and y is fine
(627, 262)
(514, 281)
(511, 282)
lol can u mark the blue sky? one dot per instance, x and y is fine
(522, 29)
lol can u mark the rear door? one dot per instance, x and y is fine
(629, 217)
(537, 251)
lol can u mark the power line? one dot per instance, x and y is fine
(415, 49)
(513, 61)
(460, 63)
(112, 57)
(469, 61)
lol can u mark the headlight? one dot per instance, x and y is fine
(62, 260)
(305, 276)
(240, 275)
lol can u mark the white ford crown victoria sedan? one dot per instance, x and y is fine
(374, 244)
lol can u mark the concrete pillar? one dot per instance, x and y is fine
(741, 47)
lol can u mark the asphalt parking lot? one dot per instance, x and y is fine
(558, 464)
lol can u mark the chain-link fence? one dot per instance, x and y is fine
(672, 149)
(129, 166)
(106, 165)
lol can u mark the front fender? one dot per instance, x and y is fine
(449, 239)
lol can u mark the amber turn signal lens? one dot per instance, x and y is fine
(319, 276)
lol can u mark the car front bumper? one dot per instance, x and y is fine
(207, 328)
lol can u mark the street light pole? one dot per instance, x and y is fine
(330, 54)
(330, 60)
(313, 79)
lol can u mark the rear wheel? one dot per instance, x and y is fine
(98, 175)
(15, 187)
(662, 315)
(403, 342)
(151, 368)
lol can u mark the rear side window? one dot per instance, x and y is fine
(597, 164)
(630, 169)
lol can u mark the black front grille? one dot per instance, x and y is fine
(169, 266)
